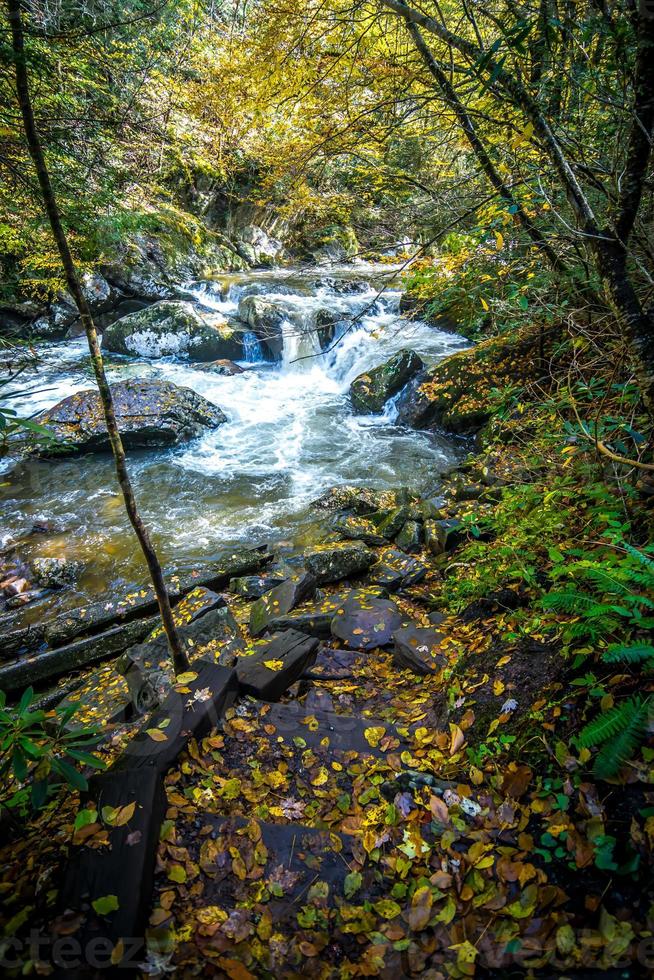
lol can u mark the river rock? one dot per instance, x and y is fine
(208, 631)
(266, 320)
(366, 620)
(418, 649)
(169, 328)
(362, 500)
(55, 573)
(358, 529)
(396, 570)
(389, 524)
(330, 325)
(444, 535)
(336, 560)
(254, 586)
(314, 620)
(223, 366)
(371, 391)
(281, 600)
(150, 413)
(410, 537)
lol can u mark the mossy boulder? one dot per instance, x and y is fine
(456, 393)
(173, 328)
(371, 391)
(150, 413)
(338, 560)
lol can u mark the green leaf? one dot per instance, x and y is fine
(106, 904)
(352, 883)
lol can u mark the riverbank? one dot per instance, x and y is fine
(474, 831)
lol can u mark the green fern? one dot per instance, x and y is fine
(610, 723)
(635, 653)
(619, 731)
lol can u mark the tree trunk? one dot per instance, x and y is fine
(180, 660)
(465, 122)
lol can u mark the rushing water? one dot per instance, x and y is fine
(290, 435)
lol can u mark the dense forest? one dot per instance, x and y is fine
(326, 484)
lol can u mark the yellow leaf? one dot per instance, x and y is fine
(186, 677)
(157, 735)
(118, 816)
(273, 664)
(374, 735)
(499, 240)
(321, 777)
(485, 304)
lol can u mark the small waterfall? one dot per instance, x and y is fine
(252, 352)
(300, 341)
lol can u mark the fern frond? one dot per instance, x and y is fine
(616, 752)
(639, 556)
(635, 653)
(569, 601)
(611, 723)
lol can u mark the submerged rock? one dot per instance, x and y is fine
(55, 573)
(371, 391)
(150, 414)
(169, 328)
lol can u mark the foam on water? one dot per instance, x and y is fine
(290, 432)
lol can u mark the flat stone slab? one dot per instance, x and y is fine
(207, 630)
(94, 618)
(268, 673)
(419, 649)
(366, 620)
(316, 620)
(281, 600)
(254, 586)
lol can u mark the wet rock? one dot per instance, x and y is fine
(55, 573)
(396, 570)
(418, 649)
(268, 673)
(173, 328)
(149, 413)
(254, 586)
(208, 631)
(410, 537)
(362, 500)
(343, 287)
(266, 321)
(224, 366)
(314, 620)
(338, 560)
(358, 529)
(371, 391)
(391, 523)
(454, 393)
(280, 601)
(366, 620)
(330, 325)
(444, 535)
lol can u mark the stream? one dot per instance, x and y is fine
(290, 435)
